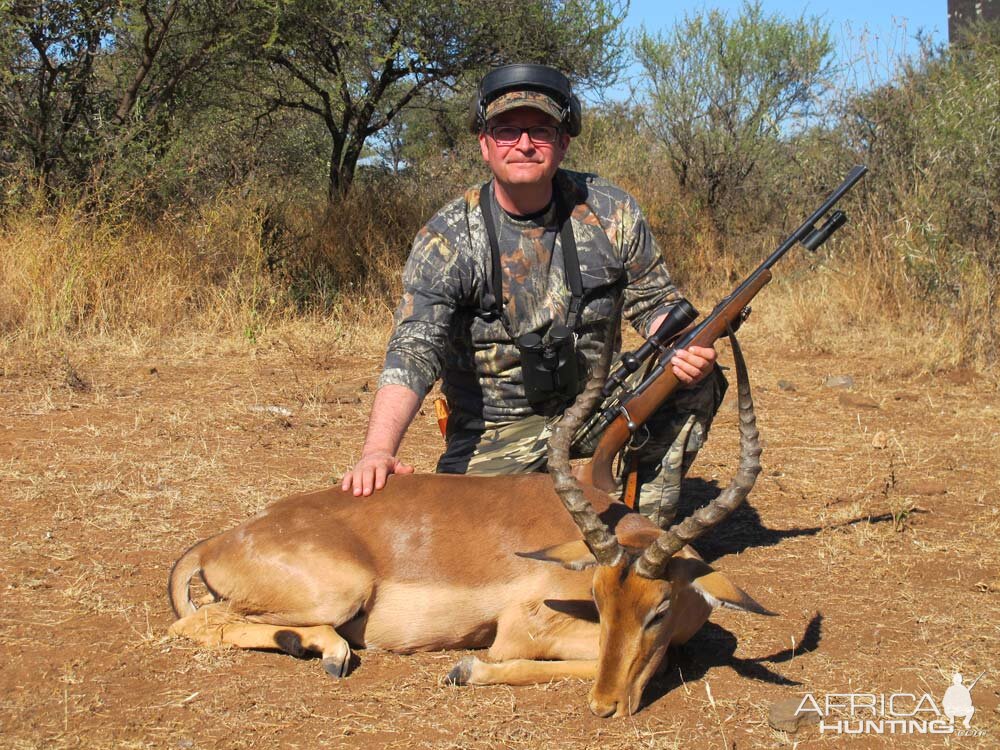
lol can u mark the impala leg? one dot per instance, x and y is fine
(322, 639)
(215, 624)
(473, 671)
(525, 637)
(206, 625)
(537, 631)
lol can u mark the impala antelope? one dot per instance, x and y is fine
(459, 562)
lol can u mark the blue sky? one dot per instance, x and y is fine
(884, 30)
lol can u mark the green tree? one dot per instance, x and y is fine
(161, 45)
(88, 81)
(51, 51)
(357, 64)
(722, 93)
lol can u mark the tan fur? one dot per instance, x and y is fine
(438, 562)
(525, 672)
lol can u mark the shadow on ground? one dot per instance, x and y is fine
(743, 529)
(714, 646)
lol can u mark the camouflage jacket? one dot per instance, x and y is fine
(442, 326)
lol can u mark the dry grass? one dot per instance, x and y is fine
(238, 272)
(66, 272)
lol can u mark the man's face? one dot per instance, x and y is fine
(525, 162)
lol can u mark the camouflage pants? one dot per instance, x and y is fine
(665, 447)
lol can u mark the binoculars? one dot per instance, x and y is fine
(549, 366)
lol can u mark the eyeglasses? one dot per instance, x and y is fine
(508, 135)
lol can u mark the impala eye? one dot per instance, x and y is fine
(656, 615)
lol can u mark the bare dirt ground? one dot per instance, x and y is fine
(872, 531)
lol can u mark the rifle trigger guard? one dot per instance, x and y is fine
(633, 444)
(632, 426)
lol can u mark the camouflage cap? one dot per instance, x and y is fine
(535, 99)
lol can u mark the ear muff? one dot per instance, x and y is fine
(476, 116)
(573, 121)
(532, 78)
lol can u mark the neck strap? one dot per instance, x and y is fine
(571, 261)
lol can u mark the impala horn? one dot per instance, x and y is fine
(653, 562)
(599, 539)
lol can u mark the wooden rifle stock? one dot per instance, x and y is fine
(639, 408)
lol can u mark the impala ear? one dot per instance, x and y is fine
(574, 555)
(714, 587)
(719, 591)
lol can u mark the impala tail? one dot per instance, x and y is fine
(181, 575)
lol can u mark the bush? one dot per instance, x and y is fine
(932, 142)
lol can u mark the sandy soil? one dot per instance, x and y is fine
(872, 531)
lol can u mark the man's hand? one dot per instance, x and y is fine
(692, 365)
(369, 474)
(393, 410)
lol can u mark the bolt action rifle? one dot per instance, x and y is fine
(635, 404)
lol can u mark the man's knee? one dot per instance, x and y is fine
(669, 443)
(704, 399)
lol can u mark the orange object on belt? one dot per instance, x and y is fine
(631, 483)
(441, 411)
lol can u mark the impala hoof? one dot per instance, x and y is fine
(461, 673)
(337, 660)
(335, 666)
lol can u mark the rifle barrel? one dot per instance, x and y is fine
(799, 234)
(856, 173)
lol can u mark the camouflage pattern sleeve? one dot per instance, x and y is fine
(649, 291)
(432, 288)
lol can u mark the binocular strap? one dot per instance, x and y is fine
(571, 260)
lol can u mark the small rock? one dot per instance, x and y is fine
(880, 442)
(783, 716)
(339, 394)
(185, 743)
(839, 381)
(854, 401)
(278, 411)
(787, 385)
